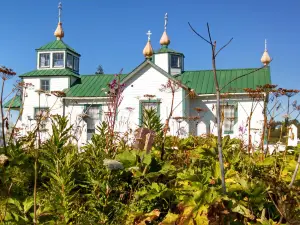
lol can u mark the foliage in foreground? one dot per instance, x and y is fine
(131, 187)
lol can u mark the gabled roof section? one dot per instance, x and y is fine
(165, 49)
(96, 85)
(202, 81)
(91, 85)
(14, 103)
(57, 45)
(148, 62)
(50, 72)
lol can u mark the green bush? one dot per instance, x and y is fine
(126, 186)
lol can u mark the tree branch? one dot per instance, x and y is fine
(223, 47)
(253, 71)
(199, 34)
(208, 30)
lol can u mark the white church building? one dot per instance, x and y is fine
(57, 69)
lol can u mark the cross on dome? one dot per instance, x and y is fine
(266, 45)
(148, 51)
(59, 11)
(164, 40)
(59, 32)
(149, 35)
(166, 21)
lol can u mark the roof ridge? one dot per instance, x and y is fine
(253, 68)
(57, 44)
(108, 74)
(50, 72)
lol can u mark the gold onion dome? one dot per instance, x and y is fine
(59, 32)
(265, 59)
(164, 40)
(148, 50)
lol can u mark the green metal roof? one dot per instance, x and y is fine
(57, 45)
(14, 103)
(91, 85)
(202, 81)
(165, 49)
(50, 72)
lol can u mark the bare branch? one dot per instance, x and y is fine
(223, 47)
(199, 34)
(209, 33)
(253, 71)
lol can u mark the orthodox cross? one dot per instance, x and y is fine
(266, 45)
(166, 21)
(149, 34)
(59, 11)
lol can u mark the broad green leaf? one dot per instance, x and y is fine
(28, 203)
(147, 159)
(127, 158)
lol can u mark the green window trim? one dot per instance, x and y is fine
(228, 132)
(158, 101)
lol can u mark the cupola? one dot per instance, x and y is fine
(57, 54)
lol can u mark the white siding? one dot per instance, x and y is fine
(162, 60)
(147, 81)
(32, 99)
(73, 111)
(207, 123)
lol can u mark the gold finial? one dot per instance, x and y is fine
(164, 40)
(148, 51)
(265, 59)
(59, 32)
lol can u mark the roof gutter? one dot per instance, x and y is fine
(89, 98)
(208, 95)
(229, 94)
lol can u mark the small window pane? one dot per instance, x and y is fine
(58, 59)
(93, 118)
(44, 59)
(228, 118)
(175, 61)
(45, 85)
(76, 64)
(70, 61)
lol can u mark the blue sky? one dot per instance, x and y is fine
(113, 33)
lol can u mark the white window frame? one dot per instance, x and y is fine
(95, 120)
(49, 84)
(63, 59)
(72, 61)
(39, 59)
(228, 119)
